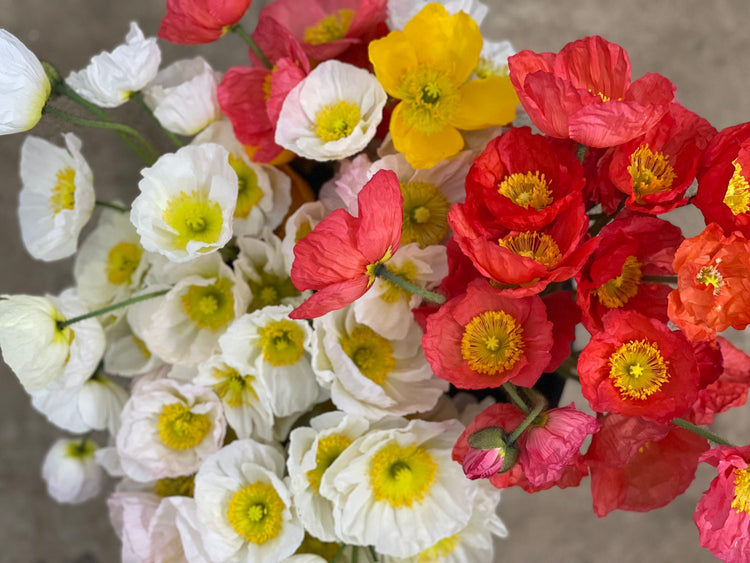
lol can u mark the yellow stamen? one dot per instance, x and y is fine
(232, 386)
(269, 289)
(527, 190)
(425, 218)
(210, 306)
(430, 98)
(282, 342)
(370, 352)
(330, 28)
(329, 448)
(393, 293)
(180, 428)
(123, 259)
(175, 486)
(492, 342)
(194, 217)
(532, 244)
(638, 369)
(336, 121)
(249, 192)
(63, 194)
(617, 291)
(255, 512)
(487, 68)
(710, 275)
(741, 500)
(651, 172)
(737, 197)
(402, 476)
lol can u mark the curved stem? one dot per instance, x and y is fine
(382, 272)
(659, 279)
(253, 45)
(601, 221)
(138, 97)
(62, 324)
(530, 418)
(114, 206)
(707, 434)
(512, 393)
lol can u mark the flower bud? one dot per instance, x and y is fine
(489, 454)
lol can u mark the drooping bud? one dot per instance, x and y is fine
(489, 454)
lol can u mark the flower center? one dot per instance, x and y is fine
(439, 551)
(710, 275)
(430, 99)
(232, 386)
(650, 171)
(527, 190)
(312, 545)
(492, 342)
(370, 352)
(269, 289)
(194, 217)
(532, 244)
(741, 500)
(617, 291)
(425, 219)
(63, 194)
(737, 197)
(486, 68)
(336, 121)
(638, 369)
(80, 449)
(393, 293)
(402, 476)
(282, 342)
(122, 261)
(330, 28)
(255, 512)
(370, 268)
(329, 448)
(181, 429)
(304, 229)
(210, 306)
(175, 486)
(249, 192)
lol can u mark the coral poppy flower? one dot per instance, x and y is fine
(630, 248)
(338, 258)
(326, 28)
(523, 180)
(426, 67)
(251, 97)
(584, 93)
(190, 22)
(713, 284)
(638, 465)
(636, 366)
(656, 169)
(483, 339)
(724, 180)
(524, 263)
(723, 512)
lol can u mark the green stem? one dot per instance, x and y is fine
(382, 272)
(707, 434)
(602, 220)
(512, 392)
(104, 310)
(530, 418)
(338, 553)
(373, 553)
(659, 279)
(253, 45)
(138, 97)
(355, 553)
(114, 206)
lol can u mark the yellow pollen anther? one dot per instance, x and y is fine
(232, 386)
(255, 512)
(741, 500)
(618, 291)
(282, 342)
(329, 448)
(123, 259)
(651, 172)
(330, 28)
(180, 428)
(402, 476)
(63, 194)
(710, 275)
(430, 98)
(175, 486)
(210, 306)
(425, 217)
(249, 192)
(336, 121)
(492, 342)
(527, 190)
(535, 245)
(638, 370)
(194, 217)
(737, 196)
(370, 352)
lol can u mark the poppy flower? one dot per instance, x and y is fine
(339, 256)
(191, 22)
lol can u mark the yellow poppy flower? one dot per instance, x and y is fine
(427, 66)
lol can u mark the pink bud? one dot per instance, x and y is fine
(481, 464)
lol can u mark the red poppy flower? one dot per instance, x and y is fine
(584, 93)
(656, 169)
(724, 180)
(251, 97)
(338, 258)
(713, 284)
(483, 339)
(723, 512)
(636, 366)
(638, 465)
(190, 22)
(523, 180)
(630, 247)
(524, 263)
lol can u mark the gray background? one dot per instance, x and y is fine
(702, 46)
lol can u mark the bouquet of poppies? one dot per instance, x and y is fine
(338, 317)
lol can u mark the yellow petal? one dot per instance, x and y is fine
(451, 43)
(392, 57)
(484, 103)
(420, 149)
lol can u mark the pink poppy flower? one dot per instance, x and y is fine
(191, 22)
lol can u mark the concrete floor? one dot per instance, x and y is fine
(702, 46)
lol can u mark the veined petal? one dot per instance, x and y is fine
(332, 297)
(392, 57)
(420, 149)
(484, 103)
(380, 211)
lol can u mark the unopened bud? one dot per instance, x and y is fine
(489, 454)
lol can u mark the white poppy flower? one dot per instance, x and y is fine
(333, 113)
(24, 86)
(187, 201)
(126, 354)
(369, 374)
(57, 197)
(111, 77)
(299, 225)
(168, 429)
(401, 11)
(385, 305)
(71, 472)
(38, 351)
(311, 451)
(183, 96)
(398, 489)
(244, 505)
